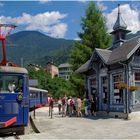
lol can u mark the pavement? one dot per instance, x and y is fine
(82, 128)
(98, 127)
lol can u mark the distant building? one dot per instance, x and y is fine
(34, 66)
(52, 69)
(64, 71)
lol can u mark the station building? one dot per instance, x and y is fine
(113, 74)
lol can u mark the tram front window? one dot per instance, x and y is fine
(11, 84)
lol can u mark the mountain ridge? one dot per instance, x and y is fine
(35, 47)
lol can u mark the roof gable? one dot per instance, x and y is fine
(84, 67)
(104, 54)
(125, 51)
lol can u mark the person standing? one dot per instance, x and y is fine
(86, 106)
(59, 105)
(74, 104)
(89, 107)
(70, 106)
(92, 106)
(64, 103)
(51, 107)
(79, 104)
(49, 100)
(95, 102)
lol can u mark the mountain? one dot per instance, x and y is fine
(35, 47)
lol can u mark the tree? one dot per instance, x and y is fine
(94, 28)
(57, 86)
(94, 35)
(60, 87)
(41, 75)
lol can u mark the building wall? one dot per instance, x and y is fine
(52, 69)
(64, 72)
(118, 100)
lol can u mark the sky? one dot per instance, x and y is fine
(62, 19)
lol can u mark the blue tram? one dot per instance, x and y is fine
(38, 97)
(15, 100)
(14, 97)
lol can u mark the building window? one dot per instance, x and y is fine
(93, 86)
(117, 93)
(137, 92)
(137, 77)
(117, 37)
(123, 35)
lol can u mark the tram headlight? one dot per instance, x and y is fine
(19, 97)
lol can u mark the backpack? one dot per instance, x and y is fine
(63, 101)
(71, 102)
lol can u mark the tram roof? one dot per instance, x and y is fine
(13, 69)
(37, 89)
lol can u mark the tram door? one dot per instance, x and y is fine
(104, 93)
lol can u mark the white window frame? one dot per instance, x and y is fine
(115, 100)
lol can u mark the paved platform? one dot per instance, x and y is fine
(83, 128)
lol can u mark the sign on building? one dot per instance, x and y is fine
(33, 82)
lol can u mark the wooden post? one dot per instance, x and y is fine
(34, 111)
(51, 112)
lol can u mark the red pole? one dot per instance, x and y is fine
(4, 61)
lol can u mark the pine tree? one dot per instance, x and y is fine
(94, 35)
(94, 29)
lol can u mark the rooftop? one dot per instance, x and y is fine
(64, 65)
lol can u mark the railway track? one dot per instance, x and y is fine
(16, 136)
(9, 136)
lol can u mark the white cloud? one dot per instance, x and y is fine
(101, 6)
(77, 39)
(48, 22)
(135, 5)
(44, 1)
(82, 1)
(130, 17)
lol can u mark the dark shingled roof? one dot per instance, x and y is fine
(84, 67)
(122, 53)
(66, 65)
(125, 51)
(104, 54)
